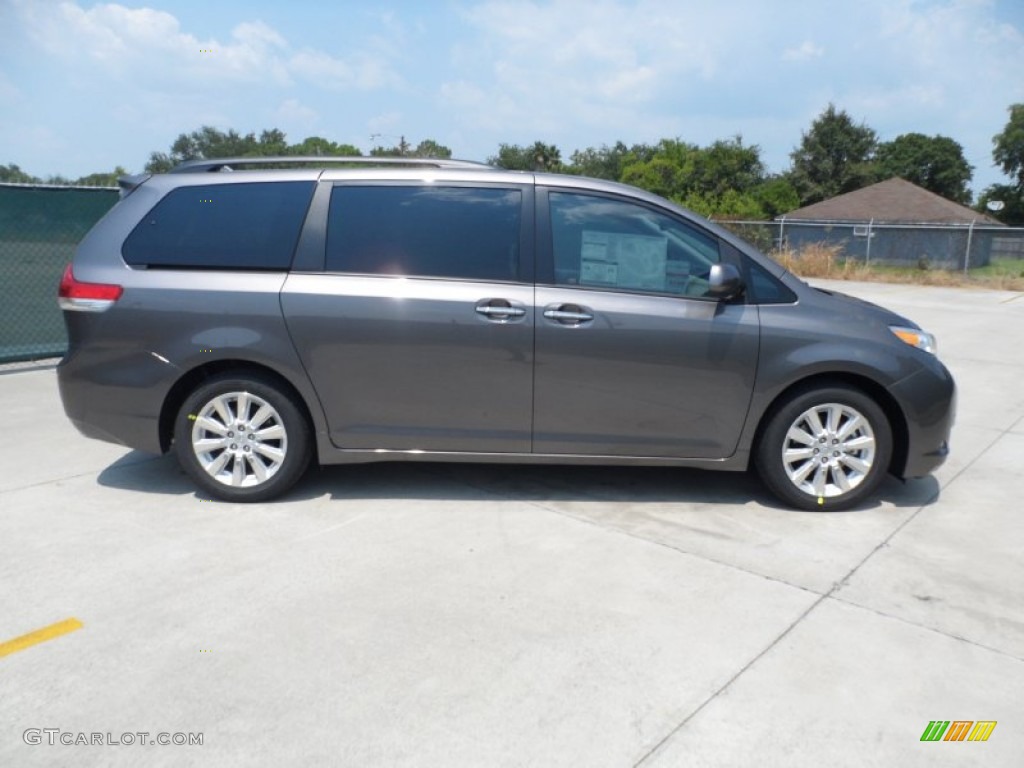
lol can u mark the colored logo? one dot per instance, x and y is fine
(958, 730)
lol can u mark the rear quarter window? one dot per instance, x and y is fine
(222, 226)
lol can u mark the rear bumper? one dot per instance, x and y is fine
(928, 400)
(126, 412)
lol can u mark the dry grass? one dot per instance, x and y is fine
(823, 260)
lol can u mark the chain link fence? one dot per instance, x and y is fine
(40, 226)
(925, 246)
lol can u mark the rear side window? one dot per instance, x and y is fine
(470, 233)
(222, 226)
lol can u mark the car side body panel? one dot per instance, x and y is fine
(167, 324)
(800, 342)
(411, 364)
(648, 376)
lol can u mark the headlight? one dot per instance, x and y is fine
(915, 337)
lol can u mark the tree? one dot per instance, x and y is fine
(108, 179)
(1009, 146)
(728, 166)
(271, 143)
(608, 162)
(1012, 211)
(776, 196)
(538, 157)
(402, 149)
(208, 142)
(426, 148)
(430, 148)
(315, 146)
(1008, 154)
(936, 163)
(12, 174)
(835, 156)
(731, 204)
(670, 170)
(721, 179)
(660, 175)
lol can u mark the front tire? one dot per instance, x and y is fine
(826, 448)
(241, 438)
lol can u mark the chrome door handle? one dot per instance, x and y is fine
(501, 311)
(562, 315)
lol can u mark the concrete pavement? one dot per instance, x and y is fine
(479, 615)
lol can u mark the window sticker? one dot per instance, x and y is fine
(677, 276)
(623, 261)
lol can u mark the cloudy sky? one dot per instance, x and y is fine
(87, 86)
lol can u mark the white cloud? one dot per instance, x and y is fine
(912, 96)
(803, 52)
(949, 68)
(582, 73)
(329, 71)
(474, 73)
(630, 84)
(569, 70)
(37, 137)
(256, 54)
(387, 121)
(258, 35)
(462, 93)
(292, 111)
(126, 42)
(113, 82)
(362, 71)
(107, 33)
(602, 36)
(10, 95)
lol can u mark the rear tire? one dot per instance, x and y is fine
(826, 448)
(241, 438)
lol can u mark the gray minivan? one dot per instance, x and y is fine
(254, 319)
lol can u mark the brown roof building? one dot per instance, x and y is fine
(895, 201)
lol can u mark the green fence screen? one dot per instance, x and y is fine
(39, 229)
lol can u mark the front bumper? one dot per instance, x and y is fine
(928, 401)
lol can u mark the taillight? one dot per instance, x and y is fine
(86, 297)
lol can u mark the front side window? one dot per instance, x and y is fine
(222, 226)
(600, 242)
(469, 233)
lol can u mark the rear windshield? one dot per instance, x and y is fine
(222, 226)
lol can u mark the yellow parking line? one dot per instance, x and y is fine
(39, 636)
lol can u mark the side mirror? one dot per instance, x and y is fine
(724, 282)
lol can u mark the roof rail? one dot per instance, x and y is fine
(228, 163)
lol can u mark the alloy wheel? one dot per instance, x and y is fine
(828, 450)
(239, 439)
